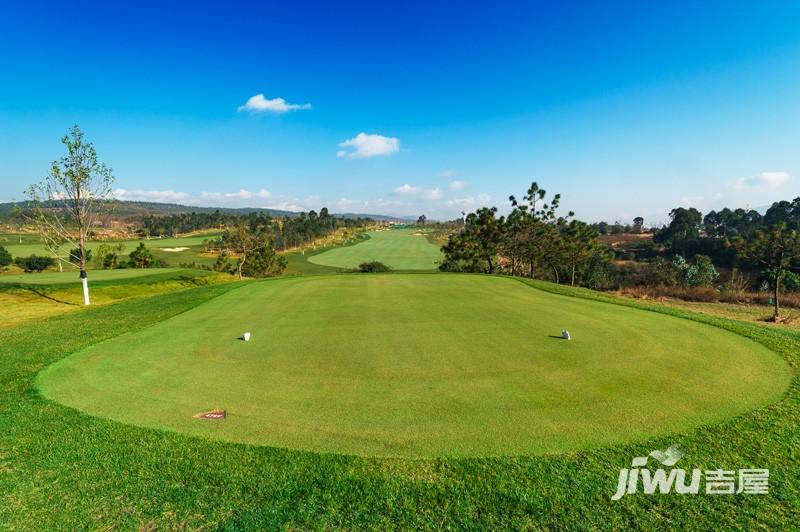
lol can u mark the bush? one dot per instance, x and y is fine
(141, 257)
(75, 256)
(5, 257)
(264, 262)
(34, 263)
(373, 267)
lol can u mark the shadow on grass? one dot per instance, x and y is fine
(36, 291)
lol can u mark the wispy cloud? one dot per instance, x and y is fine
(366, 145)
(764, 181)
(240, 194)
(457, 185)
(261, 104)
(469, 202)
(447, 173)
(407, 189)
(431, 194)
(240, 197)
(160, 196)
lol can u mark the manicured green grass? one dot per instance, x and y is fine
(297, 263)
(60, 469)
(437, 365)
(32, 245)
(400, 249)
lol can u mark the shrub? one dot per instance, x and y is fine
(141, 257)
(373, 267)
(34, 263)
(75, 255)
(5, 257)
(702, 272)
(264, 262)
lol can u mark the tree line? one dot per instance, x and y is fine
(536, 241)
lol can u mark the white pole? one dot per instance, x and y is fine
(85, 282)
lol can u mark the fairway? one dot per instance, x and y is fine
(170, 250)
(401, 249)
(437, 365)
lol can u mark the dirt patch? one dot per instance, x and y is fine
(211, 414)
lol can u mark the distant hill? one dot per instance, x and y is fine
(138, 209)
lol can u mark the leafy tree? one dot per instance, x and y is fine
(683, 229)
(5, 257)
(66, 204)
(729, 223)
(242, 242)
(535, 226)
(638, 224)
(785, 212)
(777, 249)
(422, 219)
(476, 247)
(141, 257)
(253, 242)
(580, 246)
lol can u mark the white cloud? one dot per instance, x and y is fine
(240, 197)
(349, 204)
(240, 194)
(691, 201)
(457, 185)
(447, 173)
(368, 145)
(432, 194)
(260, 104)
(162, 196)
(482, 200)
(407, 189)
(285, 206)
(764, 181)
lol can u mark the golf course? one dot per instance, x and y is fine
(174, 250)
(400, 249)
(438, 366)
(418, 266)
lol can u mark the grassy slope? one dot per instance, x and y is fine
(398, 248)
(438, 365)
(71, 277)
(62, 469)
(37, 296)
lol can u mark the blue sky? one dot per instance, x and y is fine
(625, 108)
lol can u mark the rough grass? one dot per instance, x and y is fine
(60, 469)
(400, 249)
(46, 294)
